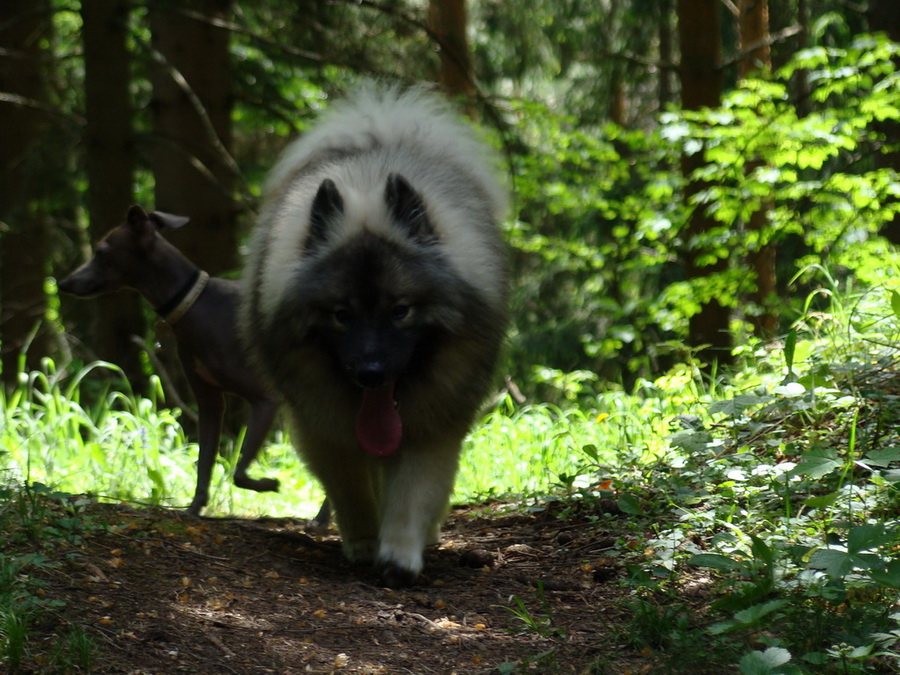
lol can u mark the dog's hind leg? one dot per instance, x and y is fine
(417, 487)
(262, 414)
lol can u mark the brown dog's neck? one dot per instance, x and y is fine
(180, 302)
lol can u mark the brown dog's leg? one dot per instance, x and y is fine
(262, 414)
(211, 403)
(323, 517)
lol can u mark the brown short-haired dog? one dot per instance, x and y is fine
(202, 312)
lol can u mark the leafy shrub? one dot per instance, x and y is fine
(601, 221)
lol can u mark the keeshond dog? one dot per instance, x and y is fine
(376, 305)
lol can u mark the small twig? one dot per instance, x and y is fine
(214, 558)
(168, 383)
(514, 391)
(217, 641)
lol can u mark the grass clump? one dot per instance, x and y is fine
(41, 529)
(130, 448)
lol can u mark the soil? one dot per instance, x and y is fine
(507, 591)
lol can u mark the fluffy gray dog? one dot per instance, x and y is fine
(376, 305)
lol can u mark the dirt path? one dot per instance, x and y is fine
(161, 592)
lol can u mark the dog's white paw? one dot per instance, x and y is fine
(399, 565)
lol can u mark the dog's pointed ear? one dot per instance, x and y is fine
(143, 229)
(407, 208)
(163, 220)
(136, 217)
(326, 206)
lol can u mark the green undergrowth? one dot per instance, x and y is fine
(756, 515)
(765, 533)
(40, 529)
(130, 448)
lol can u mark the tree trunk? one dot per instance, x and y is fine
(802, 76)
(753, 26)
(701, 86)
(884, 15)
(756, 58)
(617, 103)
(191, 108)
(665, 53)
(109, 159)
(23, 229)
(447, 21)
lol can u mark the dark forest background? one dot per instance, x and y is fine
(677, 165)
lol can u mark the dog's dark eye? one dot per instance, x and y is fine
(400, 313)
(342, 317)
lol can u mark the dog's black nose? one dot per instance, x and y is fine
(371, 374)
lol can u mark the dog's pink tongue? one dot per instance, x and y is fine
(378, 424)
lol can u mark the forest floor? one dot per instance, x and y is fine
(507, 591)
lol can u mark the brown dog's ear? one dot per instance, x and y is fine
(164, 220)
(136, 216)
(141, 227)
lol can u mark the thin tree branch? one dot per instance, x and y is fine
(34, 104)
(211, 135)
(241, 30)
(639, 60)
(772, 39)
(731, 7)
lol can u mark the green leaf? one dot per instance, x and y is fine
(591, 451)
(691, 441)
(816, 463)
(630, 505)
(764, 663)
(892, 476)
(867, 537)
(835, 562)
(889, 576)
(895, 303)
(761, 550)
(735, 407)
(882, 458)
(791, 389)
(156, 478)
(790, 344)
(715, 561)
(822, 501)
(838, 561)
(752, 615)
(722, 627)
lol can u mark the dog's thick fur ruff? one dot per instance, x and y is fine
(377, 275)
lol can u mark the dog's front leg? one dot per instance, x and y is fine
(417, 486)
(353, 486)
(211, 404)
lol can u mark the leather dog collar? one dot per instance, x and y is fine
(184, 299)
